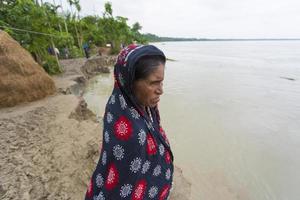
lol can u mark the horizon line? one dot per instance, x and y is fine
(226, 39)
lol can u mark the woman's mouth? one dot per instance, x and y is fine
(156, 100)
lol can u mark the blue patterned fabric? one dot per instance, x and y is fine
(136, 161)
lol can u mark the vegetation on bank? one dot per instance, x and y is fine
(40, 27)
(154, 38)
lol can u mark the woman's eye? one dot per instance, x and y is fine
(155, 83)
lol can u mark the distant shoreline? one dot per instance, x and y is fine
(223, 40)
(154, 38)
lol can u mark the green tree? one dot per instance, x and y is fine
(43, 23)
(108, 9)
(29, 17)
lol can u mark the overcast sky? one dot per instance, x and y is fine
(207, 18)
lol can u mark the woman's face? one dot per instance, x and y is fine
(148, 90)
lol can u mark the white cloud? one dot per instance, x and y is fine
(208, 18)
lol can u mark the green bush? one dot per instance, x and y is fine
(93, 49)
(75, 52)
(50, 65)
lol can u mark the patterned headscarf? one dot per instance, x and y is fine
(136, 161)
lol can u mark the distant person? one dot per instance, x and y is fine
(56, 51)
(86, 49)
(136, 160)
(50, 50)
(122, 46)
(66, 52)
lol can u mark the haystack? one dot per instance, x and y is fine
(21, 78)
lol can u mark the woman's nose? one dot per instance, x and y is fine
(160, 89)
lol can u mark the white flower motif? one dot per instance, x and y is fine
(99, 197)
(142, 137)
(135, 165)
(130, 52)
(168, 174)
(161, 149)
(153, 192)
(104, 157)
(106, 137)
(125, 190)
(145, 167)
(118, 152)
(109, 117)
(134, 113)
(112, 99)
(99, 180)
(157, 170)
(122, 102)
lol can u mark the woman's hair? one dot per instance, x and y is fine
(146, 65)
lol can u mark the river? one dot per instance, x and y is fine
(232, 113)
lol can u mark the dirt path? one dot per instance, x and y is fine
(45, 154)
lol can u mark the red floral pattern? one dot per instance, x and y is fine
(123, 128)
(151, 145)
(139, 190)
(112, 177)
(117, 84)
(89, 191)
(168, 157)
(164, 192)
(161, 130)
(123, 54)
(163, 133)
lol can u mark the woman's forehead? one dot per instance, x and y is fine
(158, 73)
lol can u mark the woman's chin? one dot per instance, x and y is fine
(152, 105)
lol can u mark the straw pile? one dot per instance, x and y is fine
(21, 78)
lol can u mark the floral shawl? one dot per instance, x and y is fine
(136, 161)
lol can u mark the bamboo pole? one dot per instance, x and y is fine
(52, 43)
(62, 10)
(56, 56)
(76, 30)
(60, 30)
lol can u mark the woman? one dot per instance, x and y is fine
(136, 161)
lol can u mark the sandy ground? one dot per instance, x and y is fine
(49, 148)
